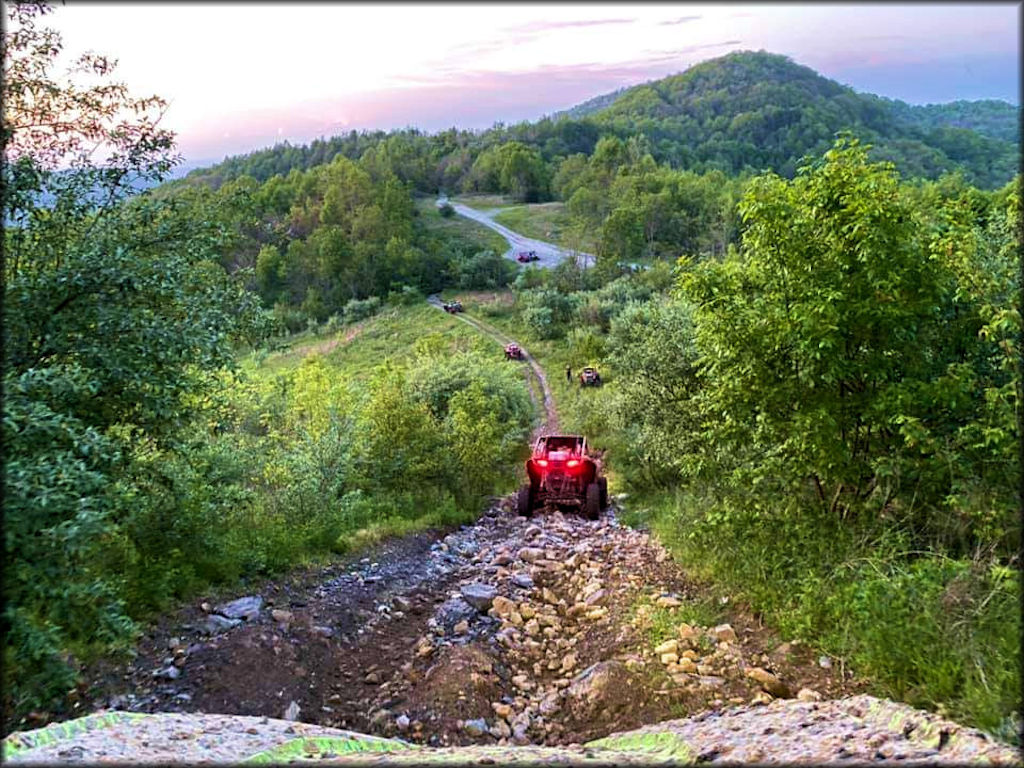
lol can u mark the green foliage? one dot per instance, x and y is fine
(585, 347)
(484, 270)
(825, 347)
(116, 317)
(655, 355)
(761, 111)
(936, 632)
(356, 310)
(838, 400)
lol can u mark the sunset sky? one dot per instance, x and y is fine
(241, 77)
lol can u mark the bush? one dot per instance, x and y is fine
(288, 318)
(485, 270)
(404, 295)
(333, 324)
(585, 347)
(357, 309)
(446, 210)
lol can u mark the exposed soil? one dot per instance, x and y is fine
(387, 645)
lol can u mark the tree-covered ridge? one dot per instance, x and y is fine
(761, 111)
(742, 112)
(989, 117)
(590, 106)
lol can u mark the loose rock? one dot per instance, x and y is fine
(478, 595)
(769, 682)
(214, 624)
(247, 608)
(669, 646)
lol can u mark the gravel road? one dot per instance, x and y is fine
(550, 255)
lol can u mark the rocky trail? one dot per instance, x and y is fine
(546, 634)
(554, 635)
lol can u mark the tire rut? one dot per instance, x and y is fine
(549, 417)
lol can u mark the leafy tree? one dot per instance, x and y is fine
(116, 315)
(521, 172)
(826, 346)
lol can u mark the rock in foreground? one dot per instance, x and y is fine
(856, 729)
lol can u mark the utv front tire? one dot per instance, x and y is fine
(602, 482)
(524, 501)
(593, 507)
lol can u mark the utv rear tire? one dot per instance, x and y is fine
(524, 501)
(603, 484)
(593, 508)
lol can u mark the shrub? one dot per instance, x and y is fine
(357, 309)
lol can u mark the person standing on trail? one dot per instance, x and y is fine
(568, 373)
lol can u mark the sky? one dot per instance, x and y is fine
(244, 76)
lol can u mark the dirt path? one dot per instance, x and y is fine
(549, 416)
(556, 630)
(549, 254)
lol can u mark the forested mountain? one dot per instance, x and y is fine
(743, 112)
(761, 111)
(989, 117)
(590, 106)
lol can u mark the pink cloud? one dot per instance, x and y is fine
(434, 103)
(544, 26)
(680, 20)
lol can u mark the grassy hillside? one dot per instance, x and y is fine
(458, 230)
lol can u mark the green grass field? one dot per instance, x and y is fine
(484, 202)
(458, 229)
(389, 335)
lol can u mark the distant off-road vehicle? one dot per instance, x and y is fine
(451, 307)
(527, 256)
(563, 476)
(513, 351)
(589, 377)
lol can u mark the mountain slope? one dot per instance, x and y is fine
(756, 111)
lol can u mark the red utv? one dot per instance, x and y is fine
(589, 377)
(513, 351)
(525, 257)
(562, 475)
(451, 307)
